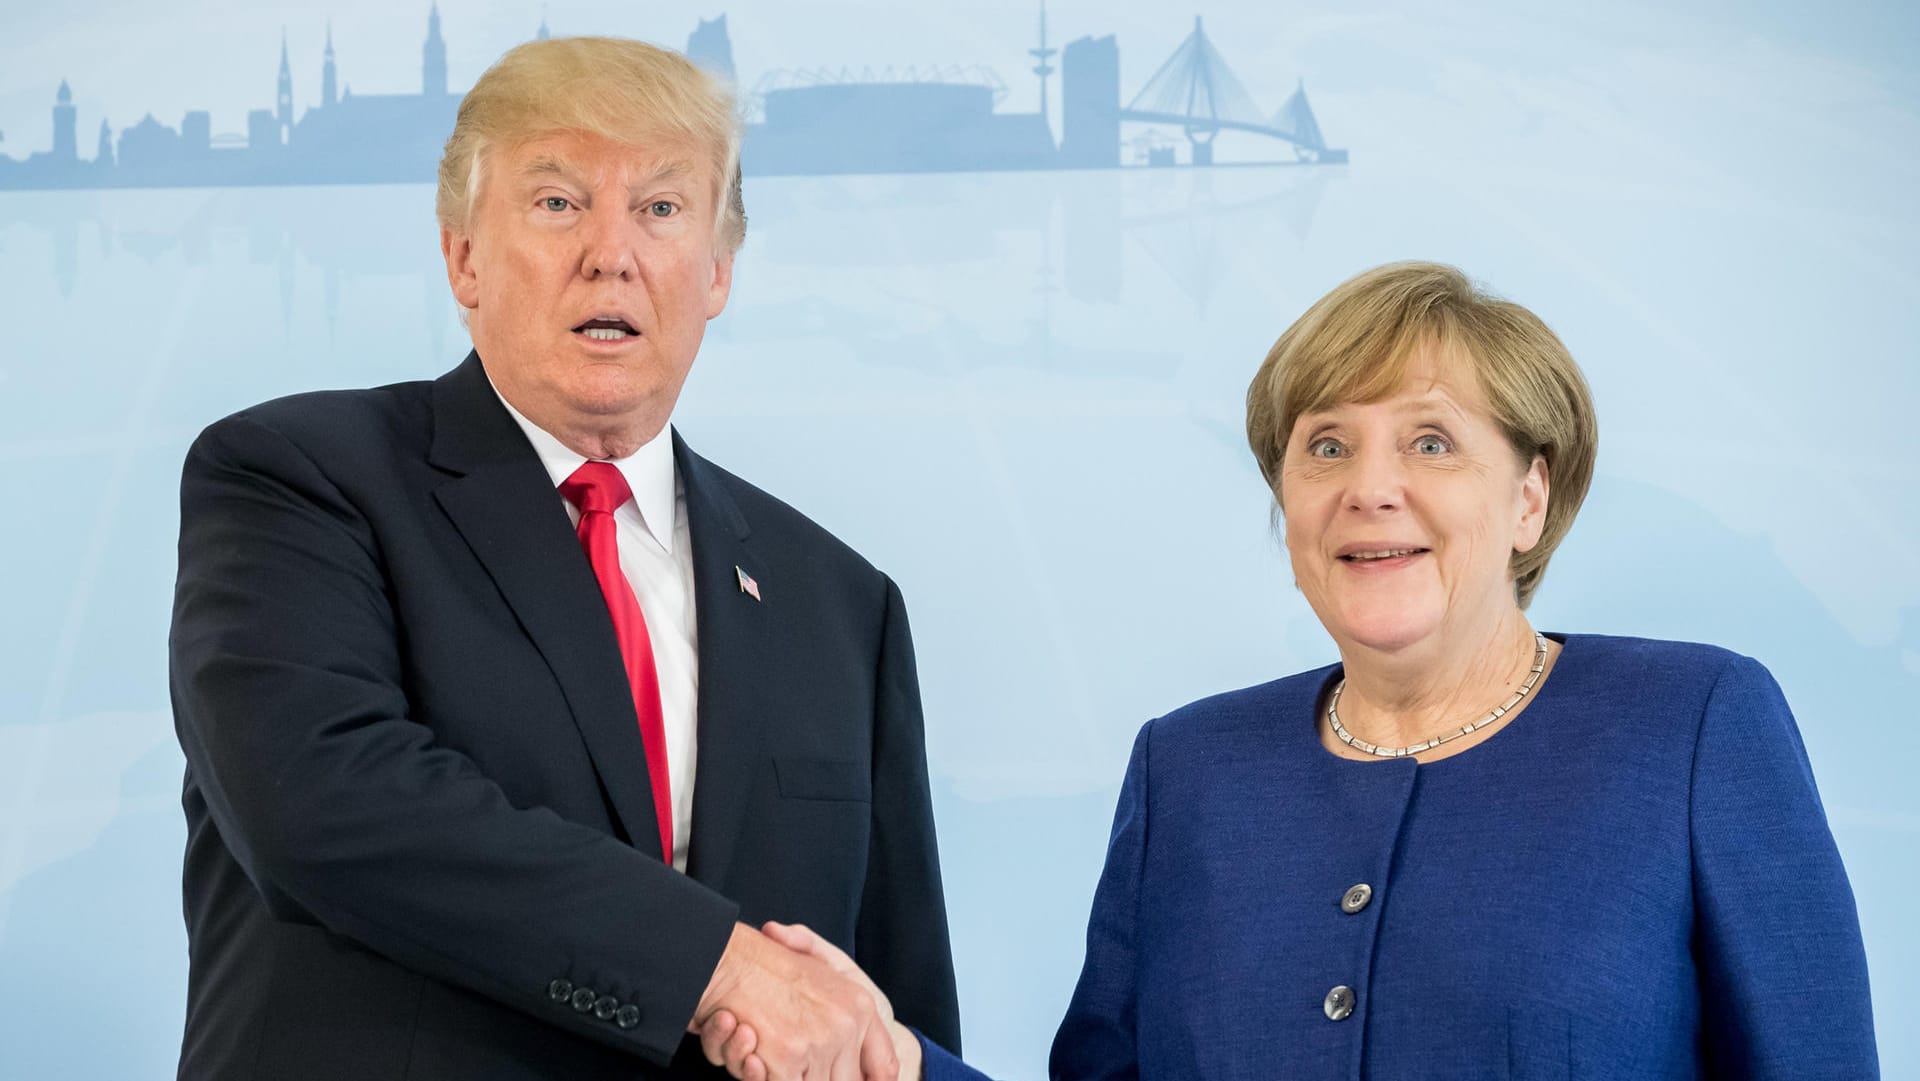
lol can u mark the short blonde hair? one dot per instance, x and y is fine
(1357, 343)
(624, 90)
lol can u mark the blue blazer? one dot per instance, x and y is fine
(1634, 879)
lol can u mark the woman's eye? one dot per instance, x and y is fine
(1430, 444)
(1323, 448)
(660, 208)
(555, 203)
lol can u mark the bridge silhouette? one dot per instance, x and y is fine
(1196, 90)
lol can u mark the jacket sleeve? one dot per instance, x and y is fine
(901, 937)
(1097, 1039)
(939, 1064)
(1783, 969)
(340, 808)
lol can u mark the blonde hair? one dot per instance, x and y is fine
(624, 90)
(1357, 343)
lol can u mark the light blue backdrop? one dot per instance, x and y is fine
(1020, 393)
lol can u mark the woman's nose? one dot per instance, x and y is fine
(1377, 482)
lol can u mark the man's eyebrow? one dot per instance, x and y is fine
(548, 165)
(668, 170)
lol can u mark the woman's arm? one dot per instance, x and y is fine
(1096, 1041)
(1783, 969)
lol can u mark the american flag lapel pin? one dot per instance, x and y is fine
(747, 585)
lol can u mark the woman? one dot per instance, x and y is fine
(1468, 850)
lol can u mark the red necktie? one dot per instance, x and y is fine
(598, 489)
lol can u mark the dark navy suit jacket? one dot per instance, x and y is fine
(421, 840)
(1634, 879)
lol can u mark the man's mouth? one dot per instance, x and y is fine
(606, 329)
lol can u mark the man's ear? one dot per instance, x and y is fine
(722, 286)
(457, 249)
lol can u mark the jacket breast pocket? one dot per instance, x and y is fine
(823, 779)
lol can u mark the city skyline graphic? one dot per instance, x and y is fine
(799, 122)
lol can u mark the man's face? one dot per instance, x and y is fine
(589, 271)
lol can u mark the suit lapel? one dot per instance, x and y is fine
(506, 508)
(735, 703)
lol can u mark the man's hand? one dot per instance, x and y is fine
(795, 1014)
(729, 1042)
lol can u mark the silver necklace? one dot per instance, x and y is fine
(1351, 740)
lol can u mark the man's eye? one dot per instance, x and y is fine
(1430, 444)
(555, 203)
(660, 208)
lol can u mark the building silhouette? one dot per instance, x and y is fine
(1090, 104)
(809, 122)
(64, 146)
(711, 48)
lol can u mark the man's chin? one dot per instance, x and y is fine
(610, 389)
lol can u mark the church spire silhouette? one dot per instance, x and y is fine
(328, 79)
(283, 101)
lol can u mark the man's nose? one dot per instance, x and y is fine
(610, 235)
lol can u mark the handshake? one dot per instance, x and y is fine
(785, 1004)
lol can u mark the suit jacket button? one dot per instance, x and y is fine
(1339, 1003)
(560, 990)
(627, 1017)
(1356, 898)
(604, 1007)
(583, 999)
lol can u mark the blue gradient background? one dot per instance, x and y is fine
(1020, 394)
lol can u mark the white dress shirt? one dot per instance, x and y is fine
(656, 555)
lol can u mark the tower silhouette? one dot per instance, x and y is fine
(327, 77)
(103, 157)
(433, 63)
(65, 146)
(1041, 55)
(283, 102)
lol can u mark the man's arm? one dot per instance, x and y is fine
(901, 938)
(342, 809)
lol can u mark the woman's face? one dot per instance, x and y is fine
(1402, 514)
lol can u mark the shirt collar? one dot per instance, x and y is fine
(649, 471)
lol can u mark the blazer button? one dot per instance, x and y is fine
(605, 1007)
(583, 999)
(560, 990)
(1339, 1003)
(627, 1017)
(1356, 898)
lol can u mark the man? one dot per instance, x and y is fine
(469, 672)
